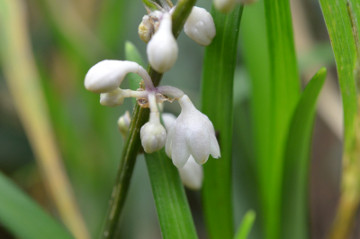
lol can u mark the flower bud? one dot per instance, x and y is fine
(200, 26)
(124, 123)
(224, 6)
(153, 136)
(146, 29)
(112, 98)
(107, 75)
(162, 50)
(149, 25)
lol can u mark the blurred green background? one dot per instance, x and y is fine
(69, 36)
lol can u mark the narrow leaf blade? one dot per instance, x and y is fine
(24, 218)
(170, 199)
(217, 104)
(296, 167)
(246, 225)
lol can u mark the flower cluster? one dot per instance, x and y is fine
(190, 138)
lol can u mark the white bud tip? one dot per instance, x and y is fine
(153, 136)
(162, 50)
(200, 26)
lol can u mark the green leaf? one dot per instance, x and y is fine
(296, 158)
(170, 199)
(217, 104)
(246, 225)
(285, 90)
(111, 28)
(132, 54)
(24, 218)
(342, 19)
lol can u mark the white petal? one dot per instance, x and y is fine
(168, 144)
(179, 149)
(192, 174)
(214, 147)
(169, 120)
(199, 144)
(107, 75)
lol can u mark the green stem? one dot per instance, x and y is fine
(132, 145)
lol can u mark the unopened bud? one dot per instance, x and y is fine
(124, 123)
(200, 26)
(107, 75)
(153, 136)
(224, 6)
(112, 98)
(162, 50)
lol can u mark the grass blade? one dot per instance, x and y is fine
(172, 207)
(342, 20)
(246, 225)
(24, 218)
(295, 181)
(217, 104)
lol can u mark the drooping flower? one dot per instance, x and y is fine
(192, 173)
(193, 134)
(162, 49)
(200, 26)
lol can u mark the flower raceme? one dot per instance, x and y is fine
(190, 139)
(192, 133)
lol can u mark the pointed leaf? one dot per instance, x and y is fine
(296, 167)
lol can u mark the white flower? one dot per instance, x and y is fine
(193, 134)
(162, 49)
(153, 136)
(200, 26)
(192, 174)
(107, 75)
(112, 98)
